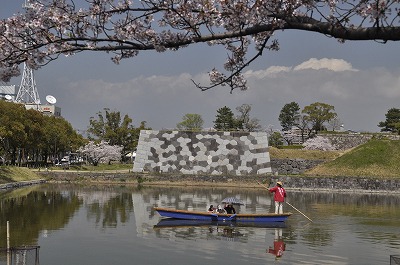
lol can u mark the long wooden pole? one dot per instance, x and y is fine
(289, 204)
(299, 211)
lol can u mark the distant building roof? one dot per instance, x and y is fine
(7, 90)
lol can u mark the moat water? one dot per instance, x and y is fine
(117, 225)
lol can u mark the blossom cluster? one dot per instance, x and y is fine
(101, 152)
(319, 143)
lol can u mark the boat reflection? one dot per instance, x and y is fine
(204, 229)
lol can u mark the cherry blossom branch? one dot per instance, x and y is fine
(125, 27)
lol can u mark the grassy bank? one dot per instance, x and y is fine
(99, 167)
(376, 158)
(15, 174)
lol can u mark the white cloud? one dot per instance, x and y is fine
(336, 65)
(272, 71)
(361, 98)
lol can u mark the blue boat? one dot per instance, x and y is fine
(221, 217)
(172, 222)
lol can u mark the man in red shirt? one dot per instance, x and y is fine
(279, 197)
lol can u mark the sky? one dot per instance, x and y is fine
(361, 79)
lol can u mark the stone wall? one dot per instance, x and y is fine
(347, 141)
(214, 153)
(351, 184)
(292, 183)
(292, 166)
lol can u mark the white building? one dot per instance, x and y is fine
(49, 110)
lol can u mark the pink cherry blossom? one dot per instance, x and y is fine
(49, 28)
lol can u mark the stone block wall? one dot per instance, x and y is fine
(347, 141)
(292, 166)
(199, 153)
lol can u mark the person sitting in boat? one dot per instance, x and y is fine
(220, 209)
(211, 209)
(230, 209)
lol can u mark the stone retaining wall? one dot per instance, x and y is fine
(347, 184)
(347, 141)
(20, 184)
(292, 166)
(351, 184)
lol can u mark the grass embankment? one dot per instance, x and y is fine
(10, 174)
(376, 158)
(99, 167)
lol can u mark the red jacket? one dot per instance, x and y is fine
(280, 193)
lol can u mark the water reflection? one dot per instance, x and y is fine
(279, 244)
(32, 211)
(347, 228)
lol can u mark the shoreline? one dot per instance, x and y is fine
(293, 183)
(19, 184)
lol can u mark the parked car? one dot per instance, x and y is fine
(65, 159)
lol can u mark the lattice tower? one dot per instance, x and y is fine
(27, 92)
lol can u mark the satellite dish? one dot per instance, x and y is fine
(51, 99)
(8, 97)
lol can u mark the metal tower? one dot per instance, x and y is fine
(27, 92)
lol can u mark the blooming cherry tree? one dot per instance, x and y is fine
(319, 143)
(101, 152)
(49, 28)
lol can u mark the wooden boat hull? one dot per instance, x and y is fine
(172, 223)
(196, 215)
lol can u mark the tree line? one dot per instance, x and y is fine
(225, 120)
(305, 123)
(28, 136)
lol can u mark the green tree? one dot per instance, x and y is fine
(225, 120)
(191, 122)
(111, 127)
(60, 138)
(28, 135)
(317, 114)
(14, 136)
(392, 122)
(275, 139)
(34, 128)
(289, 116)
(244, 121)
